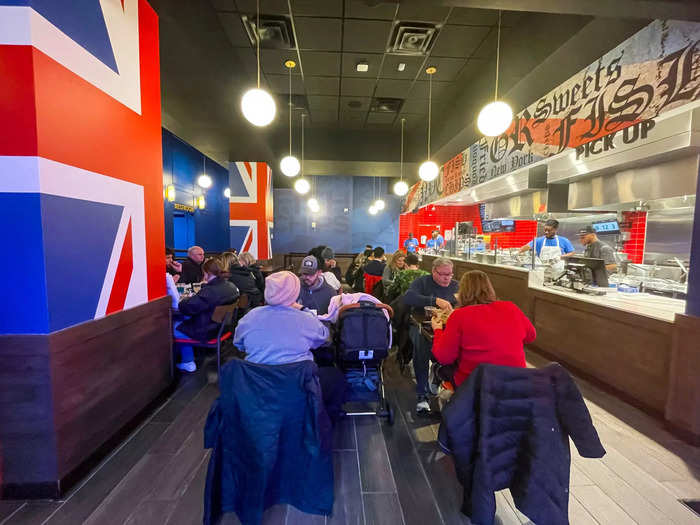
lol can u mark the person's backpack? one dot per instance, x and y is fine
(364, 332)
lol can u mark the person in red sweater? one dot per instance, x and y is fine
(482, 330)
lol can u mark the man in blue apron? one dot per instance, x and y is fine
(550, 247)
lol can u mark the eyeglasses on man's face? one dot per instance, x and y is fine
(445, 274)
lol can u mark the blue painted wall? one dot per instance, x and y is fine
(182, 164)
(343, 223)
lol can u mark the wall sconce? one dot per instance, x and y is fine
(201, 203)
(170, 192)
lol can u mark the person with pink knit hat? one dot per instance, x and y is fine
(283, 332)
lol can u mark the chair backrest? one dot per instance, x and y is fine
(370, 282)
(224, 313)
(243, 301)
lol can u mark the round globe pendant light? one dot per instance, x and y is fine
(227, 193)
(400, 188)
(313, 205)
(373, 210)
(379, 204)
(302, 186)
(204, 181)
(257, 105)
(290, 165)
(495, 118)
(428, 171)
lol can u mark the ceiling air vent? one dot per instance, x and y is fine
(386, 105)
(412, 38)
(275, 31)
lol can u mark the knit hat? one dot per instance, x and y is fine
(328, 253)
(281, 288)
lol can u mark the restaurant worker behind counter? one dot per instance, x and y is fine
(596, 249)
(436, 240)
(550, 248)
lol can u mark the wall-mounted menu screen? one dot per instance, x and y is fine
(609, 226)
(498, 226)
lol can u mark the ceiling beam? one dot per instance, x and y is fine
(639, 9)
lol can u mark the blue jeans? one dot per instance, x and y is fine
(422, 353)
(186, 351)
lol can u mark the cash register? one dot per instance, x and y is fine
(584, 274)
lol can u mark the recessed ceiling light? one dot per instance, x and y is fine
(362, 67)
(401, 66)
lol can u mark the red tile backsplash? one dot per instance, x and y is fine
(634, 222)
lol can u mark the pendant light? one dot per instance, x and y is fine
(290, 164)
(257, 105)
(401, 188)
(302, 185)
(495, 118)
(428, 171)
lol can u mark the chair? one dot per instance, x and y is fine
(223, 316)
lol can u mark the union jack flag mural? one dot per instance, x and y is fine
(251, 208)
(80, 158)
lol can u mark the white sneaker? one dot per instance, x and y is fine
(422, 406)
(190, 366)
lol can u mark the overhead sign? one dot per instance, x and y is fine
(183, 207)
(655, 71)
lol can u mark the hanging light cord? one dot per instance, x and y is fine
(257, 37)
(430, 104)
(403, 121)
(498, 56)
(303, 116)
(290, 111)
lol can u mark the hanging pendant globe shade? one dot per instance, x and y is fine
(379, 204)
(204, 181)
(495, 119)
(312, 203)
(373, 210)
(302, 186)
(400, 188)
(258, 107)
(227, 193)
(290, 166)
(428, 171)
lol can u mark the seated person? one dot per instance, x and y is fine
(192, 266)
(324, 255)
(216, 291)
(482, 330)
(281, 332)
(242, 278)
(172, 267)
(375, 264)
(404, 278)
(315, 293)
(396, 263)
(331, 265)
(171, 278)
(437, 289)
(248, 260)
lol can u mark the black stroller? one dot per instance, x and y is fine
(363, 342)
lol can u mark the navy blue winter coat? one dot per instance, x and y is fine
(271, 441)
(509, 428)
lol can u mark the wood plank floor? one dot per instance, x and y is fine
(393, 475)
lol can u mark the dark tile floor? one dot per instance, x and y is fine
(383, 474)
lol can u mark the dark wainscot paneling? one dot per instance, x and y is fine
(66, 395)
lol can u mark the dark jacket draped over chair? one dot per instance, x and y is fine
(201, 306)
(271, 441)
(509, 427)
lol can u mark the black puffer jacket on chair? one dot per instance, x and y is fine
(509, 428)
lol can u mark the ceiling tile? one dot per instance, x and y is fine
(316, 8)
(323, 103)
(422, 12)
(393, 88)
(323, 116)
(280, 84)
(272, 60)
(366, 35)
(322, 34)
(350, 61)
(360, 9)
(487, 48)
(415, 105)
(353, 117)
(267, 7)
(413, 120)
(322, 85)
(362, 87)
(440, 89)
(391, 63)
(319, 63)
(233, 26)
(381, 118)
(458, 41)
(354, 104)
(483, 17)
(447, 68)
